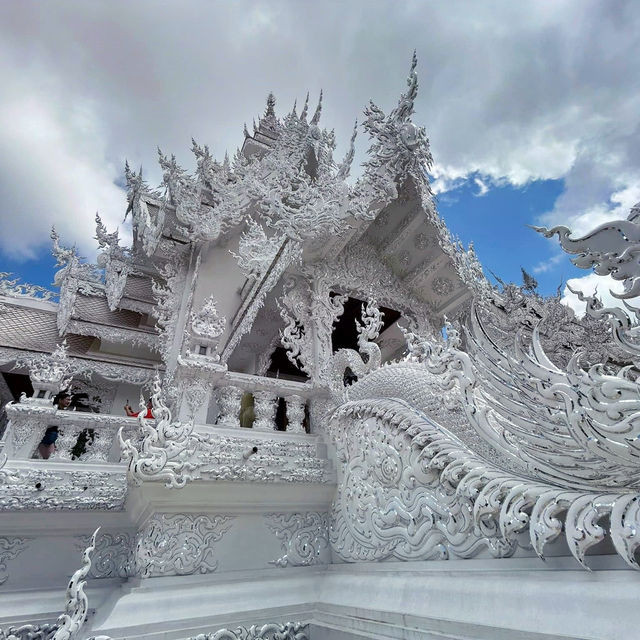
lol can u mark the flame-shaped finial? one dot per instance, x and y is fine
(316, 115)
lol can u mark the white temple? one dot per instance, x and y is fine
(321, 462)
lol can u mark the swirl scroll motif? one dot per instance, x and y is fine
(409, 489)
(304, 537)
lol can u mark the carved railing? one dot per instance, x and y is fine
(266, 394)
(82, 437)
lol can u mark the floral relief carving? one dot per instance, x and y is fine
(180, 544)
(10, 548)
(304, 538)
(112, 556)
(269, 631)
(63, 490)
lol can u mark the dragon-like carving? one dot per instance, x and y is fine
(167, 450)
(75, 615)
(359, 363)
(116, 262)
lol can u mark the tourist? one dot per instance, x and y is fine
(62, 400)
(134, 414)
(47, 445)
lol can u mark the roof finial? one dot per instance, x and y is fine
(316, 115)
(295, 104)
(246, 131)
(270, 111)
(405, 104)
(345, 167)
(305, 109)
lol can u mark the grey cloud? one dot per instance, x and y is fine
(514, 91)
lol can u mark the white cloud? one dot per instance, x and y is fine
(483, 189)
(525, 91)
(550, 264)
(53, 170)
(594, 284)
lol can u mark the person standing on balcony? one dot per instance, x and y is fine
(47, 446)
(134, 414)
(62, 400)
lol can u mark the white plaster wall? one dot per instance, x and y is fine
(220, 276)
(515, 599)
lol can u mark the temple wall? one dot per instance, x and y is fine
(220, 276)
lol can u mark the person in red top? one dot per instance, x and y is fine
(134, 414)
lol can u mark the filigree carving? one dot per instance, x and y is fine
(112, 555)
(167, 297)
(116, 262)
(49, 372)
(72, 278)
(400, 148)
(610, 249)
(29, 632)
(269, 631)
(256, 251)
(63, 490)
(295, 414)
(296, 337)
(180, 544)
(229, 404)
(196, 394)
(167, 451)
(10, 548)
(208, 326)
(75, 615)
(304, 537)
(265, 404)
(367, 360)
(13, 288)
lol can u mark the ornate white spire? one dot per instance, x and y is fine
(305, 109)
(345, 166)
(316, 115)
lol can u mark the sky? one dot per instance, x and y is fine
(532, 108)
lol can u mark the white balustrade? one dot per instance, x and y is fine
(97, 432)
(67, 439)
(266, 393)
(98, 446)
(265, 406)
(229, 399)
(295, 413)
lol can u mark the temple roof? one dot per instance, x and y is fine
(34, 329)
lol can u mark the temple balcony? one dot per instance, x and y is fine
(246, 472)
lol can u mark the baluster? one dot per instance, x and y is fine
(265, 405)
(98, 449)
(228, 399)
(295, 414)
(66, 441)
(25, 435)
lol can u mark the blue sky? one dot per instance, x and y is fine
(532, 108)
(496, 222)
